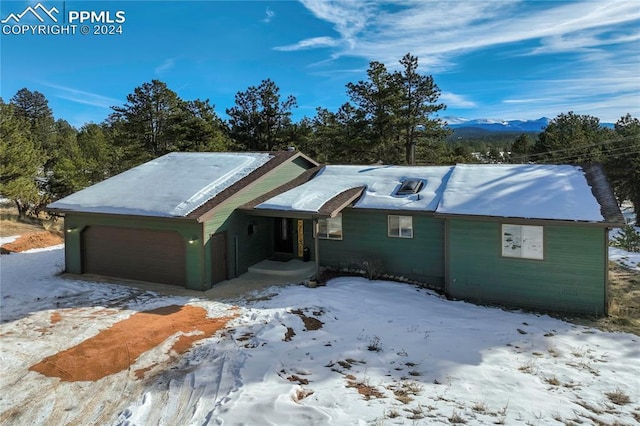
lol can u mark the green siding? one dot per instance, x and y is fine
(251, 249)
(365, 233)
(189, 229)
(571, 278)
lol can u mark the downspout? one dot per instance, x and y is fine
(316, 247)
(606, 271)
(235, 253)
(447, 272)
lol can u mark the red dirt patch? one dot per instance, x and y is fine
(56, 317)
(33, 240)
(117, 348)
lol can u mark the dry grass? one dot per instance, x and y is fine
(618, 397)
(479, 407)
(624, 301)
(10, 225)
(553, 381)
(456, 419)
(405, 391)
(367, 391)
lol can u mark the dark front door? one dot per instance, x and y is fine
(283, 241)
(219, 257)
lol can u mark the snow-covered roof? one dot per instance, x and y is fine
(169, 186)
(381, 183)
(557, 192)
(520, 190)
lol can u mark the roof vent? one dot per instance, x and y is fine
(410, 186)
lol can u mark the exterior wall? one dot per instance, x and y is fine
(365, 233)
(76, 222)
(251, 249)
(571, 278)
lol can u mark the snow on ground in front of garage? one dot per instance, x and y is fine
(351, 352)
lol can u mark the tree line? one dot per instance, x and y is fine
(391, 117)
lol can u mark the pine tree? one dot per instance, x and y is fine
(20, 161)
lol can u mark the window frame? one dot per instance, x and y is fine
(528, 238)
(327, 235)
(400, 228)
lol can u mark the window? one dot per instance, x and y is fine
(400, 226)
(410, 186)
(330, 228)
(522, 241)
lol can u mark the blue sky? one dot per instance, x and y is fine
(491, 59)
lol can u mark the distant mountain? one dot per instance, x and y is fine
(494, 125)
(498, 125)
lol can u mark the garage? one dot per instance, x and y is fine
(137, 254)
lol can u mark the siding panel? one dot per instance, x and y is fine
(571, 277)
(365, 233)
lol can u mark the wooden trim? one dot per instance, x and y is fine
(316, 247)
(127, 216)
(525, 221)
(210, 213)
(341, 201)
(291, 214)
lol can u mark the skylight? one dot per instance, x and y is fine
(410, 186)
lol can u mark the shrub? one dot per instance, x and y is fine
(628, 238)
(371, 265)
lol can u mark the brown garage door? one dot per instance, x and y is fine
(156, 256)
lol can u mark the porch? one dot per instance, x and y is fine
(261, 276)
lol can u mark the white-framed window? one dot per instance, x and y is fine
(400, 226)
(330, 228)
(523, 241)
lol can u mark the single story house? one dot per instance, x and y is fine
(531, 236)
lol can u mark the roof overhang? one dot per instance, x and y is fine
(526, 221)
(329, 209)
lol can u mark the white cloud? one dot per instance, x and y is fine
(268, 16)
(82, 97)
(165, 66)
(456, 101)
(309, 43)
(437, 31)
(591, 47)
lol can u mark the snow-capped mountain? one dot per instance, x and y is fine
(497, 125)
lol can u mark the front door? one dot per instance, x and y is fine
(283, 241)
(219, 257)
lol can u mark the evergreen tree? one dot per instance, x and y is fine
(417, 105)
(20, 160)
(521, 148)
(198, 128)
(571, 138)
(377, 100)
(260, 121)
(623, 161)
(398, 109)
(146, 118)
(34, 109)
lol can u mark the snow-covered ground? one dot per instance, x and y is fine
(352, 352)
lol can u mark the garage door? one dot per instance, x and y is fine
(156, 256)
